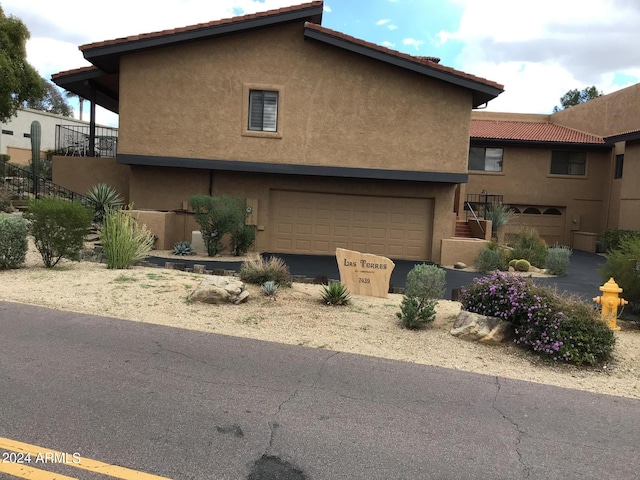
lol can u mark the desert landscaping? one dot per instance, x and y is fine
(367, 326)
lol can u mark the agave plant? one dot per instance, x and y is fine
(335, 293)
(183, 248)
(104, 198)
(270, 288)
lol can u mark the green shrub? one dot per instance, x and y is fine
(259, 271)
(528, 245)
(104, 198)
(623, 264)
(183, 248)
(558, 260)
(499, 215)
(13, 241)
(425, 283)
(58, 227)
(488, 260)
(242, 239)
(522, 266)
(554, 327)
(612, 237)
(5, 200)
(218, 216)
(335, 293)
(269, 288)
(124, 241)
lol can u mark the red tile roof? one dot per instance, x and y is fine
(199, 26)
(90, 68)
(429, 61)
(530, 132)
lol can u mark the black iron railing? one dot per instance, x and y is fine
(479, 202)
(73, 140)
(24, 184)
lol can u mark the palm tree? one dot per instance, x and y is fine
(80, 100)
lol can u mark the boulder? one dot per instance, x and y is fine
(216, 289)
(475, 327)
(460, 265)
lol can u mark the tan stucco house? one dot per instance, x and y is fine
(334, 141)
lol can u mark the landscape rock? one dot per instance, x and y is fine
(217, 289)
(460, 265)
(475, 327)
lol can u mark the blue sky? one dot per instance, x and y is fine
(537, 51)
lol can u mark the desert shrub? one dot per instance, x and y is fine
(488, 260)
(5, 200)
(124, 241)
(58, 227)
(425, 283)
(612, 237)
(269, 288)
(242, 239)
(623, 264)
(522, 265)
(335, 293)
(558, 260)
(13, 241)
(499, 215)
(183, 248)
(218, 216)
(528, 245)
(104, 198)
(259, 271)
(551, 326)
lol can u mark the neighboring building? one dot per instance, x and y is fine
(15, 139)
(334, 141)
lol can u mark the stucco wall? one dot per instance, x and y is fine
(525, 180)
(167, 188)
(629, 213)
(79, 174)
(335, 107)
(606, 115)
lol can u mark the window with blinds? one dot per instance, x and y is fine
(263, 111)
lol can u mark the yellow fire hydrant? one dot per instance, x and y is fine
(610, 301)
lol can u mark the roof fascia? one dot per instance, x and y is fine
(497, 142)
(481, 93)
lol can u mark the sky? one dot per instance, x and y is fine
(537, 51)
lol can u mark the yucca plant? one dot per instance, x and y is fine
(183, 249)
(335, 293)
(104, 197)
(499, 215)
(270, 288)
(123, 239)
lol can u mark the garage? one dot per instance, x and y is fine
(318, 223)
(548, 221)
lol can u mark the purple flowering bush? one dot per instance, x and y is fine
(551, 326)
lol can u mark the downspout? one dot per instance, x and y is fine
(92, 120)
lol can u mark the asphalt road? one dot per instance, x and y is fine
(192, 405)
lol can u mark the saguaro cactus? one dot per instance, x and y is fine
(36, 137)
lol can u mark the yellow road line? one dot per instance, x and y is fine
(115, 471)
(30, 473)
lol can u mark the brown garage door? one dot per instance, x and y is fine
(318, 223)
(548, 221)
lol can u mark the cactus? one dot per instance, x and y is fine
(183, 248)
(36, 137)
(513, 262)
(522, 266)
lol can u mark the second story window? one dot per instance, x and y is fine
(263, 111)
(619, 166)
(485, 159)
(568, 163)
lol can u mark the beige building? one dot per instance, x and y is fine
(334, 141)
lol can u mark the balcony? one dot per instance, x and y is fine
(73, 140)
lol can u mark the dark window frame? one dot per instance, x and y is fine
(489, 163)
(619, 166)
(568, 162)
(263, 111)
(7, 132)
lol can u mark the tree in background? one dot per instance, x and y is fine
(80, 101)
(52, 101)
(575, 97)
(19, 81)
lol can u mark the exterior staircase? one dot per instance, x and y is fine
(462, 230)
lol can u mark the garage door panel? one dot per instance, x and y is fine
(320, 222)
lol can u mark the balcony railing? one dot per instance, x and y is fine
(73, 140)
(479, 202)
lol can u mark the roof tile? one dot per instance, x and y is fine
(530, 131)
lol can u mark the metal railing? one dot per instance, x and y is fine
(469, 208)
(73, 140)
(24, 184)
(481, 201)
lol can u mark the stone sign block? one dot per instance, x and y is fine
(364, 273)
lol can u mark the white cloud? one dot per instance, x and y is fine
(382, 21)
(388, 44)
(413, 42)
(327, 8)
(392, 27)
